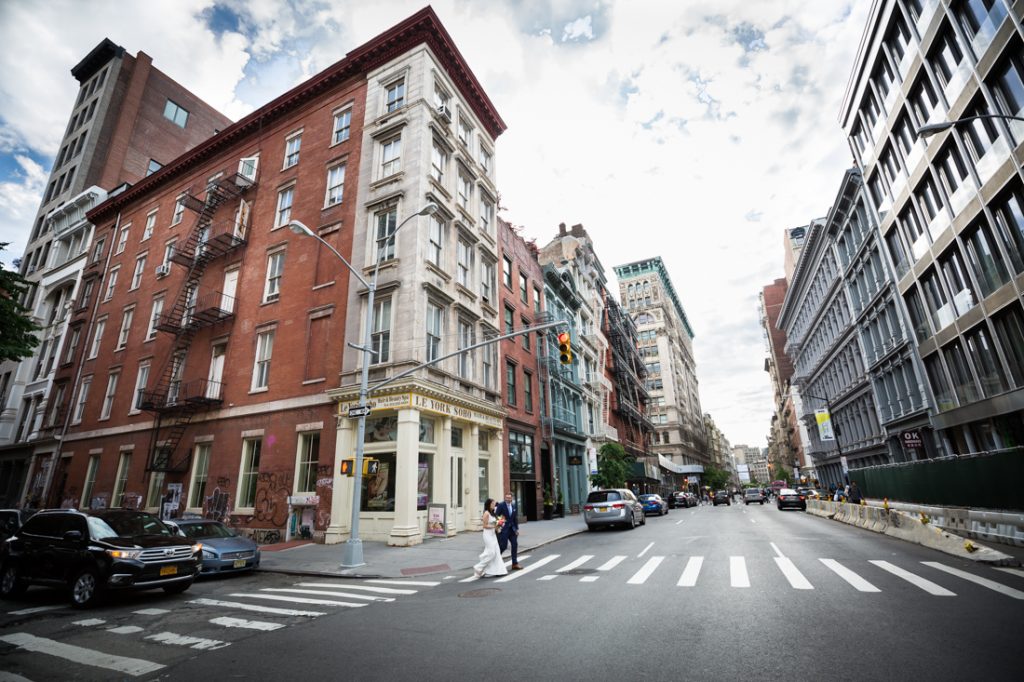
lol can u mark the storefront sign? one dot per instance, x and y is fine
(912, 440)
(303, 500)
(575, 459)
(383, 402)
(426, 404)
(592, 460)
(436, 521)
(824, 419)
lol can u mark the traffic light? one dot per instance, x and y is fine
(348, 467)
(564, 348)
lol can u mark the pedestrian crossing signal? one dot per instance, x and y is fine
(348, 467)
(370, 466)
(564, 348)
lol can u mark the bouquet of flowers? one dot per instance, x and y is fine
(499, 523)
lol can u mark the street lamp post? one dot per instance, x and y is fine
(934, 128)
(353, 552)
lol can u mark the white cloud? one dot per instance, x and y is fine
(19, 200)
(664, 128)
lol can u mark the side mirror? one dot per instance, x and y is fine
(73, 536)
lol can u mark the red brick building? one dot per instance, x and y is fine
(521, 303)
(785, 446)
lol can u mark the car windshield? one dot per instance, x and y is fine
(210, 529)
(647, 498)
(604, 496)
(127, 524)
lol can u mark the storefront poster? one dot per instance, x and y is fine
(171, 501)
(377, 490)
(436, 521)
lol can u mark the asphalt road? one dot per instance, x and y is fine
(731, 593)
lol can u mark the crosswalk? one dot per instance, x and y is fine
(855, 574)
(221, 620)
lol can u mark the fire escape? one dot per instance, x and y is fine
(628, 371)
(173, 401)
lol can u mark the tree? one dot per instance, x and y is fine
(613, 466)
(17, 332)
(716, 478)
(781, 473)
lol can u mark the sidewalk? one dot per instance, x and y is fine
(432, 556)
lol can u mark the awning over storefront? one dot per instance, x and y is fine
(666, 463)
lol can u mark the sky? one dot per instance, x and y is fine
(695, 131)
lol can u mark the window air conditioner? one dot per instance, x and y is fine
(163, 269)
(445, 113)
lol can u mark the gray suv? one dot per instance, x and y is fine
(616, 506)
(752, 495)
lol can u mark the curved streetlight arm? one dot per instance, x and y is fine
(934, 128)
(299, 228)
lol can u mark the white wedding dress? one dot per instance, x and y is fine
(490, 562)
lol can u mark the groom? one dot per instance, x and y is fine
(510, 531)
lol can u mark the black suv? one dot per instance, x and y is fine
(91, 552)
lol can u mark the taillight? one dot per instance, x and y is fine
(588, 507)
(802, 497)
(618, 505)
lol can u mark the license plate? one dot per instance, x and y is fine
(168, 570)
(239, 563)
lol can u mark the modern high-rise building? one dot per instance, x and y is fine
(229, 331)
(666, 343)
(128, 120)
(949, 209)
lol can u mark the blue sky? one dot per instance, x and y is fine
(697, 131)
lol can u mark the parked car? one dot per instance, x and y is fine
(791, 499)
(612, 507)
(682, 501)
(691, 498)
(653, 504)
(722, 497)
(224, 551)
(752, 495)
(92, 552)
(13, 519)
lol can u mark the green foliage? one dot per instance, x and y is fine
(717, 478)
(548, 500)
(613, 466)
(17, 339)
(780, 473)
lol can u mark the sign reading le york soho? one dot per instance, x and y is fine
(422, 402)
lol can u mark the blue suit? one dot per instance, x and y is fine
(510, 531)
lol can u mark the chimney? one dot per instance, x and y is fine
(561, 229)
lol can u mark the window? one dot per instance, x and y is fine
(951, 167)
(90, 481)
(466, 339)
(390, 156)
(1009, 329)
(275, 270)
(980, 134)
(378, 490)
(154, 318)
(335, 185)
(342, 125)
(486, 214)
(536, 299)
(83, 396)
(510, 383)
(381, 339)
(520, 452)
(464, 264)
(974, 14)
(489, 354)
(1009, 86)
(76, 335)
(97, 338)
(435, 317)
(179, 211)
(153, 167)
(97, 251)
(487, 280)
(154, 493)
(456, 439)
(174, 112)
(485, 159)
(284, 206)
(986, 362)
(526, 337)
(108, 397)
(141, 379)
(465, 133)
(111, 282)
(123, 238)
(524, 288)
(435, 238)
(945, 56)
(291, 150)
(986, 263)
(964, 297)
(960, 372)
(923, 101)
(168, 252)
(438, 163)
(507, 271)
(197, 489)
(123, 464)
(140, 267)
(510, 317)
(465, 192)
(527, 391)
(261, 367)
(395, 96)
(249, 473)
(386, 223)
(309, 460)
(126, 326)
(1008, 211)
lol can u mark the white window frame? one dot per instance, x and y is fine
(261, 361)
(122, 239)
(292, 150)
(83, 397)
(342, 129)
(434, 337)
(486, 159)
(487, 280)
(465, 133)
(381, 333)
(466, 334)
(126, 327)
(252, 448)
(202, 457)
(438, 163)
(464, 259)
(303, 450)
(124, 463)
(109, 394)
(76, 336)
(179, 210)
(390, 156)
(154, 316)
(435, 240)
(147, 231)
(154, 490)
(140, 267)
(275, 271)
(141, 379)
(90, 481)
(97, 339)
(465, 191)
(394, 95)
(285, 201)
(335, 185)
(384, 246)
(111, 282)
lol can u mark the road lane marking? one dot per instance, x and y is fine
(551, 576)
(926, 585)
(89, 622)
(849, 576)
(589, 578)
(645, 550)
(229, 622)
(738, 572)
(35, 609)
(690, 573)
(424, 583)
(679, 521)
(152, 612)
(641, 576)
(241, 606)
(793, 575)
(366, 588)
(1012, 571)
(324, 593)
(611, 563)
(77, 654)
(297, 600)
(125, 629)
(526, 569)
(753, 520)
(977, 579)
(579, 562)
(508, 562)
(777, 550)
(185, 640)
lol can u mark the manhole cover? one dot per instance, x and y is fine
(475, 594)
(580, 571)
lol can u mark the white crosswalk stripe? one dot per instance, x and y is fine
(849, 576)
(529, 568)
(977, 580)
(738, 572)
(35, 609)
(1012, 571)
(298, 600)
(641, 576)
(354, 586)
(175, 639)
(325, 593)
(914, 579)
(575, 564)
(793, 574)
(612, 563)
(690, 573)
(81, 655)
(228, 622)
(396, 583)
(242, 606)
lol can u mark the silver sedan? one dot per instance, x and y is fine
(613, 507)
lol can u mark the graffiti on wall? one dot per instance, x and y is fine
(272, 490)
(218, 505)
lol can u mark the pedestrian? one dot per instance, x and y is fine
(855, 496)
(490, 559)
(509, 533)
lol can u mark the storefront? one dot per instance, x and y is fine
(431, 450)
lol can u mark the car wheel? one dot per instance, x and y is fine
(178, 588)
(11, 584)
(85, 589)
(591, 528)
(632, 520)
(643, 521)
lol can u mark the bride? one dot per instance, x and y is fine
(490, 559)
